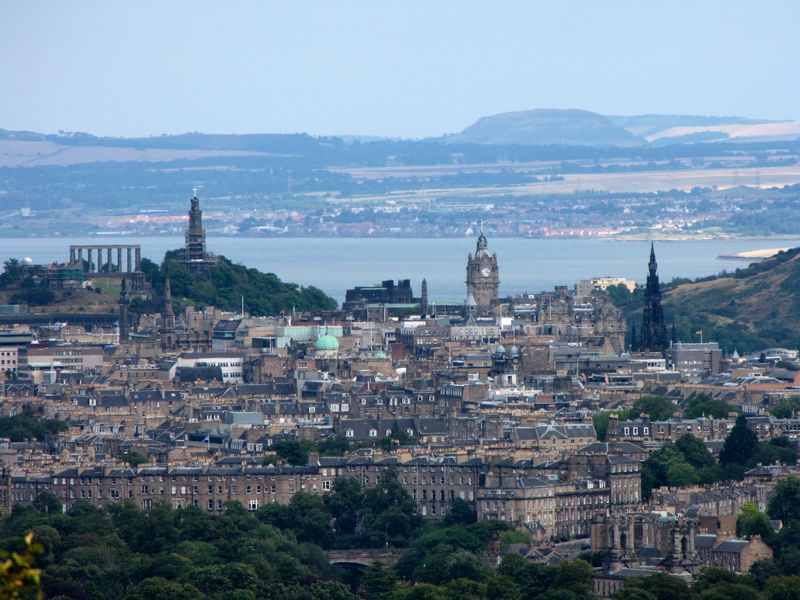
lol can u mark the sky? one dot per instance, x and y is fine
(402, 69)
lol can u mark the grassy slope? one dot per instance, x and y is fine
(754, 307)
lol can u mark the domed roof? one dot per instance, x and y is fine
(327, 342)
(499, 349)
(513, 350)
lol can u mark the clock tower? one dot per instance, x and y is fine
(483, 275)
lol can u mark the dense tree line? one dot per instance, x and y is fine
(122, 552)
(688, 461)
(28, 426)
(224, 285)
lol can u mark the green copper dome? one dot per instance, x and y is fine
(327, 342)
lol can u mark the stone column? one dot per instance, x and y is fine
(110, 260)
(630, 539)
(119, 260)
(89, 258)
(675, 538)
(690, 549)
(129, 261)
(72, 256)
(138, 259)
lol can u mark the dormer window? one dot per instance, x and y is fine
(373, 433)
(348, 433)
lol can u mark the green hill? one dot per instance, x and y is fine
(226, 283)
(547, 126)
(750, 309)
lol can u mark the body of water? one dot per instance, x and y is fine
(526, 265)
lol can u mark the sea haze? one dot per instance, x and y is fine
(526, 265)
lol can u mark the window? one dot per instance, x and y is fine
(253, 504)
(326, 485)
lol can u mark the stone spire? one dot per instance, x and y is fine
(423, 299)
(653, 335)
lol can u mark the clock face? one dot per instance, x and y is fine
(486, 271)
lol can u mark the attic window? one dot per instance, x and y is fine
(373, 433)
(348, 433)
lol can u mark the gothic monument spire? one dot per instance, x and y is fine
(653, 335)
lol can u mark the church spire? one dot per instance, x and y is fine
(652, 265)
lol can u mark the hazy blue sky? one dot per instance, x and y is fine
(385, 68)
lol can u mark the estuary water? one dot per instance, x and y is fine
(336, 264)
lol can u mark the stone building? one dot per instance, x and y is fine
(483, 276)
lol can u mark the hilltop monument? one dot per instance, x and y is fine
(194, 256)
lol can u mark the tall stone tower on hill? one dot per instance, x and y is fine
(194, 255)
(653, 335)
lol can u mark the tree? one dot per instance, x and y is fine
(633, 593)
(294, 452)
(739, 447)
(19, 577)
(782, 588)
(751, 522)
(704, 405)
(389, 512)
(460, 513)
(378, 582)
(681, 474)
(657, 408)
(665, 587)
(47, 503)
(134, 459)
(785, 501)
(695, 452)
(600, 422)
(785, 409)
(158, 588)
(345, 504)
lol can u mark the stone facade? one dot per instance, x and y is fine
(483, 277)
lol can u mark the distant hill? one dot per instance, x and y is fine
(750, 309)
(547, 126)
